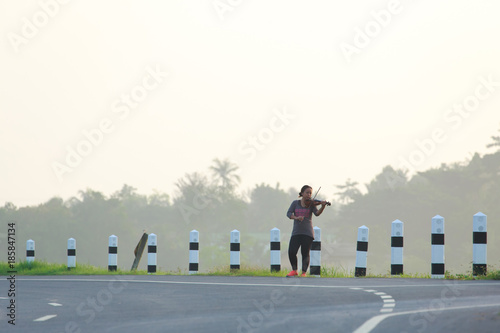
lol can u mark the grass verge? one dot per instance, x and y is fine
(40, 268)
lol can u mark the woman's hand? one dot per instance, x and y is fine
(300, 218)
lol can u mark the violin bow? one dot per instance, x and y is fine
(315, 194)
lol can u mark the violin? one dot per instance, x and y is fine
(314, 201)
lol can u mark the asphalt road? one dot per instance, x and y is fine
(248, 304)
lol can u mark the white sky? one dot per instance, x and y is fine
(228, 74)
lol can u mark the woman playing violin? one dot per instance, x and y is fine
(302, 234)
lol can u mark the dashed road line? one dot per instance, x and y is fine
(45, 318)
(385, 310)
(54, 304)
(388, 302)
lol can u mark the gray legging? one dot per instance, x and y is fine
(304, 242)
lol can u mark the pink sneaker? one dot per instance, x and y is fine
(292, 273)
(303, 274)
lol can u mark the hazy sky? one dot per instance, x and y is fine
(96, 94)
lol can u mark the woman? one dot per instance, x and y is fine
(302, 234)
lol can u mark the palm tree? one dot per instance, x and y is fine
(192, 186)
(225, 175)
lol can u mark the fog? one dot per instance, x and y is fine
(100, 97)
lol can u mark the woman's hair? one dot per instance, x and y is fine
(305, 187)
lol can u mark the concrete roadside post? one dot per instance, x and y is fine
(275, 248)
(71, 253)
(234, 255)
(437, 247)
(315, 264)
(194, 249)
(479, 243)
(361, 251)
(397, 247)
(152, 253)
(113, 253)
(30, 250)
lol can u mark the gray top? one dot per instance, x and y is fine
(305, 226)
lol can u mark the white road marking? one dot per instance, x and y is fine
(250, 284)
(389, 302)
(386, 310)
(3, 298)
(44, 318)
(55, 304)
(194, 283)
(371, 323)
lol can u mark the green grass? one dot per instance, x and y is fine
(43, 268)
(401, 276)
(492, 274)
(336, 272)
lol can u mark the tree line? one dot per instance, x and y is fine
(211, 203)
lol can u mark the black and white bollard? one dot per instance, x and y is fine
(30, 250)
(479, 242)
(315, 264)
(361, 251)
(71, 253)
(397, 247)
(437, 247)
(152, 253)
(112, 253)
(234, 256)
(275, 250)
(194, 249)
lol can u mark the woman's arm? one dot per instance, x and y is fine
(290, 212)
(318, 212)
